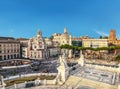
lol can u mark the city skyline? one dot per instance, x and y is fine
(22, 18)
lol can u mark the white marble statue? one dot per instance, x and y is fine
(63, 69)
(81, 59)
(2, 85)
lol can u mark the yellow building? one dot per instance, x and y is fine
(48, 42)
(95, 43)
(61, 39)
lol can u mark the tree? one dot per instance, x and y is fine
(117, 58)
(51, 37)
(105, 37)
(110, 48)
(100, 37)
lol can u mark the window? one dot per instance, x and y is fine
(8, 57)
(0, 58)
(40, 46)
(17, 55)
(18, 50)
(11, 56)
(4, 57)
(35, 47)
(14, 55)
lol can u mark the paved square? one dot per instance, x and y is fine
(97, 75)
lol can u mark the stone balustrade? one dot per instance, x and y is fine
(9, 67)
(29, 75)
(41, 82)
(103, 67)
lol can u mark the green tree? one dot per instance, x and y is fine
(51, 37)
(100, 37)
(117, 58)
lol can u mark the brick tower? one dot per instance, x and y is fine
(112, 36)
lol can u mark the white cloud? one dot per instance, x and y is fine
(101, 33)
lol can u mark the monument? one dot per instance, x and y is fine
(81, 59)
(63, 70)
(2, 84)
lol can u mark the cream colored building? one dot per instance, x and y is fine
(48, 42)
(37, 48)
(25, 52)
(61, 39)
(9, 48)
(23, 47)
(54, 51)
(56, 39)
(95, 43)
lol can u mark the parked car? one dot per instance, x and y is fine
(29, 85)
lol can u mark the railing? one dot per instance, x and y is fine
(104, 67)
(34, 83)
(29, 75)
(9, 67)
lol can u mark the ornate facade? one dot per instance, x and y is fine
(61, 39)
(37, 48)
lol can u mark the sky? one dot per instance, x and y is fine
(23, 18)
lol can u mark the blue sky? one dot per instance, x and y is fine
(22, 18)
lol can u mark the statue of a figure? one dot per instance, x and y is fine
(64, 55)
(81, 55)
(63, 69)
(2, 82)
(63, 60)
(81, 59)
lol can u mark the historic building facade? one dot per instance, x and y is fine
(95, 43)
(61, 39)
(9, 48)
(112, 38)
(23, 47)
(37, 48)
(48, 42)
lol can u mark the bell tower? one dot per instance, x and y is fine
(65, 30)
(39, 33)
(112, 36)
